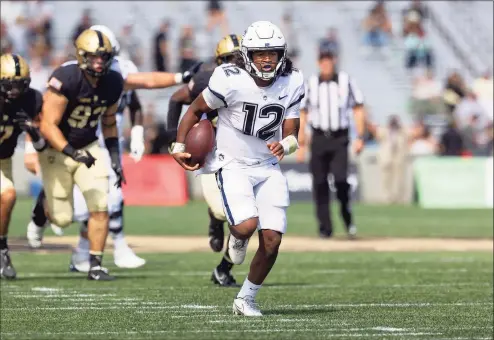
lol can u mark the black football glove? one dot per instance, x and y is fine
(187, 75)
(117, 167)
(85, 157)
(25, 123)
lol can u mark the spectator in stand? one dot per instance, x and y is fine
(418, 48)
(377, 27)
(84, 24)
(426, 95)
(187, 48)
(40, 18)
(161, 53)
(391, 157)
(488, 147)
(416, 10)
(130, 44)
(291, 36)
(468, 107)
(451, 141)
(5, 39)
(472, 135)
(454, 91)
(422, 143)
(19, 35)
(330, 43)
(216, 16)
(39, 72)
(484, 90)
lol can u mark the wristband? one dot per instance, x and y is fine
(69, 150)
(178, 148)
(289, 144)
(39, 145)
(179, 78)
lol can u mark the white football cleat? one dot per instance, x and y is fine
(125, 257)
(246, 306)
(237, 249)
(34, 235)
(79, 262)
(56, 229)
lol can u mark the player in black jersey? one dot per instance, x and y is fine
(77, 95)
(19, 106)
(225, 50)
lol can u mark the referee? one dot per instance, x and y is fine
(331, 100)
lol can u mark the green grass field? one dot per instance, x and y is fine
(337, 295)
(372, 221)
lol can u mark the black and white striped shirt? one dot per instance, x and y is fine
(330, 103)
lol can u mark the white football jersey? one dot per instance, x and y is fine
(249, 116)
(124, 67)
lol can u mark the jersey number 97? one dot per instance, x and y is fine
(82, 115)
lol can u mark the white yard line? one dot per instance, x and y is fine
(157, 306)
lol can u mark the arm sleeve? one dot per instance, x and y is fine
(135, 103)
(38, 99)
(60, 80)
(117, 88)
(356, 96)
(218, 93)
(293, 110)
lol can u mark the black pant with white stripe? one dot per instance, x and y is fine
(329, 154)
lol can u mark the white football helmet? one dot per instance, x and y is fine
(110, 35)
(261, 36)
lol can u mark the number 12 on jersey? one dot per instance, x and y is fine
(257, 123)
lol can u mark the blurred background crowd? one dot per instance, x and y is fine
(424, 67)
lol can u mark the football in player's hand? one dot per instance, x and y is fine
(199, 142)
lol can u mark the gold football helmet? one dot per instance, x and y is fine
(227, 47)
(91, 45)
(14, 76)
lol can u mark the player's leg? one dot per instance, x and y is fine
(237, 194)
(319, 167)
(124, 256)
(57, 170)
(216, 214)
(222, 273)
(37, 226)
(79, 261)
(339, 169)
(272, 199)
(93, 183)
(7, 202)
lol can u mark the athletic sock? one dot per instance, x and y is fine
(83, 244)
(3, 242)
(226, 264)
(118, 239)
(248, 289)
(95, 259)
(38, 215)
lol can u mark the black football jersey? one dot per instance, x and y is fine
(29, 102)
(199, 82)
(85, 102)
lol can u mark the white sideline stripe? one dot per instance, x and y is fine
(206, 308)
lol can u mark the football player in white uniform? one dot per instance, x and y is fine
(258, 99)
(124, 257)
